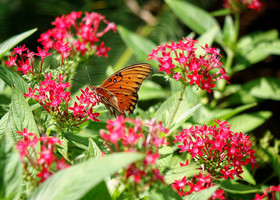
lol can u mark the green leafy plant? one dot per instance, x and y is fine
(189, 138)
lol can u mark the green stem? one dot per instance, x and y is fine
(183, 88)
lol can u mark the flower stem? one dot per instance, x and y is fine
(183, 87)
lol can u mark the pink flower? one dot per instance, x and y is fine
(186, 66)
(79, 33)
(42, 53)
(19, 50)
(130, 133)
(227, 151)
(12, 61)
(24, 66)
(102, 50)
(46, 159)
(198, 182)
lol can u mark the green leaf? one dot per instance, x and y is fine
(229, 31)
(11, 78)
(164, 161)
(20, 116)
(163, 192)
(179, 172)
(274, 161)
(247, 176)
(237, 188)
(256, 47)
(76, 181)
(13, 41)
(77, 140)
(3, 122)
(249, 121)
(98, 192)
(10, 170)
(264, 88)
(194, 17)
(182, 115)
(206, 38)
(202, 194)
(63, 148)
(93, 150)
(151, 90)
(228, 113)
(139, 45)
(185, 110)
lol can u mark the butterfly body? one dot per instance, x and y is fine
(119, 91)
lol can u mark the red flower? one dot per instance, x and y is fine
(12, 61)
(42, 53)
(102, 50)
(218, 149)
(80, 35)
(25, 67)
(184, 65)
(19, 50)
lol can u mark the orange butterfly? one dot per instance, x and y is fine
(119, 91)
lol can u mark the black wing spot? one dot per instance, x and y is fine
(120, 87)
(110, 80)
(119, 74)
(126, 95)
(129, 77)
(115, 80)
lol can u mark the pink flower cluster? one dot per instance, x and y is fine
(25, 61)
(81, 36)
(237, 5)
(45, 162)
(179, 60)
(133, 139)
(53, 97)
(218, 149)
(269, 193)
(199, 182)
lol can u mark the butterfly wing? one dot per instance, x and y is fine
(119, 91)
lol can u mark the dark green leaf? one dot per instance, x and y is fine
(13, 41)
(11, 78)
(10, 170)
(237, 188)
(163, 192)
(98, 192)
(77, 180)
(194, 17)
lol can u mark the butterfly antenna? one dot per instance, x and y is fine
(88, 77)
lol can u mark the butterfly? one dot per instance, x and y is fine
(119, 91)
